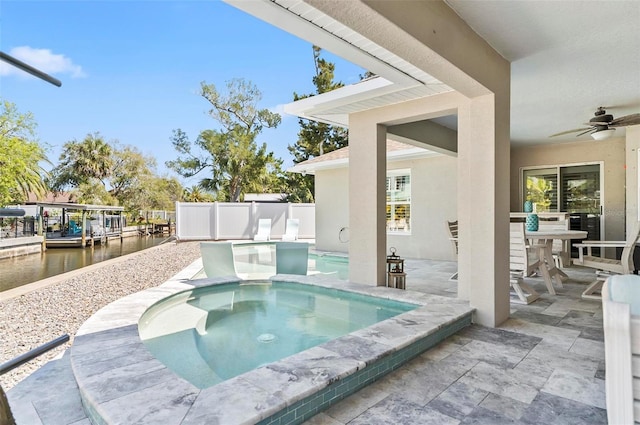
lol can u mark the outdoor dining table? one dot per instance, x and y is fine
(543, 241)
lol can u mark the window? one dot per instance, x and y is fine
(399, 201)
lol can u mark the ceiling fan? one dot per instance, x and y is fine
(602, 125)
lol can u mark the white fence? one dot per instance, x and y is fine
(229, 220)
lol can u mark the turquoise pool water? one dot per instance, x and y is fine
(210, 334)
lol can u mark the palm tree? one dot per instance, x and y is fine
(82, 162)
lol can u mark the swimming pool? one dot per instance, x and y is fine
(121, 381)
(210, 334)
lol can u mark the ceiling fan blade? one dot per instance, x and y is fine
(590, 130)
(632, 119)
(575, 130)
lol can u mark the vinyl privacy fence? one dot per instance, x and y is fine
(239, 220)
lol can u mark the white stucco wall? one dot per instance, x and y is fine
(611, 152)
(433, 202)
(332, 208)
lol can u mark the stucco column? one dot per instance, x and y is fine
(632, 149)
(367, 201)
(483, 207)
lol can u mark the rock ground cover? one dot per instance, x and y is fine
(37, 317)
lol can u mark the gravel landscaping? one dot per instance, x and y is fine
(37, 317)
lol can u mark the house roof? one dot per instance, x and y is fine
(396, 151)
(79, 207)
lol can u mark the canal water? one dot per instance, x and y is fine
(18, 271)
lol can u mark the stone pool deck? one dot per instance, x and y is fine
(119, 381)
(544, 365)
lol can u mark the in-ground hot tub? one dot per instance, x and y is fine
(210, 334)
(121, 381)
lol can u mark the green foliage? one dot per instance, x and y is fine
(539, 191)
(20, 156)
(101, 172)
(237, 164)
(196, 194)
(315, 138)
(82, 163)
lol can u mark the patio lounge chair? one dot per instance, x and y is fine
(217, 259)
(292, 257)
(621, 323)
(606, 267)
(521, 264)
(264, 230)
(291, 231)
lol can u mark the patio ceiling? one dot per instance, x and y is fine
(567, 58)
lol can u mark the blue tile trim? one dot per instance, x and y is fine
(304, 409)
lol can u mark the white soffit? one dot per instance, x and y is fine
(308, 23)
(334, 107)
(311, 166)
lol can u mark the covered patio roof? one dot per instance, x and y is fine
(79, 207)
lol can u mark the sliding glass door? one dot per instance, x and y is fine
(575, 189)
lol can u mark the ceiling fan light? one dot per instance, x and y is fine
(603, 134)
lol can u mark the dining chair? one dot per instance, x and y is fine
(523, 262)
(452, 228)
(560, 248)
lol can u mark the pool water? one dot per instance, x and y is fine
(210, 334)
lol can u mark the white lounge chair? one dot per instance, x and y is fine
(291, 231)
(292, 257)
(264, 230)
(621, 324)
(217, 259)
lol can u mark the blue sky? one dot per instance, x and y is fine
(131, 70)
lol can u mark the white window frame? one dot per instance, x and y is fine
(391, 229)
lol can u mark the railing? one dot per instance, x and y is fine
(17, 227)
(32, 354)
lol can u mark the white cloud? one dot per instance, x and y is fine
(42, 59)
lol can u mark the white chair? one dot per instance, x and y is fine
(522, 263)
(560, 249)
(264, 230)
(217, 259)
(292, 257)
(452, 227)
(291, 230)
(606, 267)
(621, 323)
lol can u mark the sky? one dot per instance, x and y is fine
(131, 70)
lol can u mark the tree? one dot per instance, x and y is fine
(237, 164)
(100, 172)
(315, 138)
(84, 162)
(20, 156)
(195, 194)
